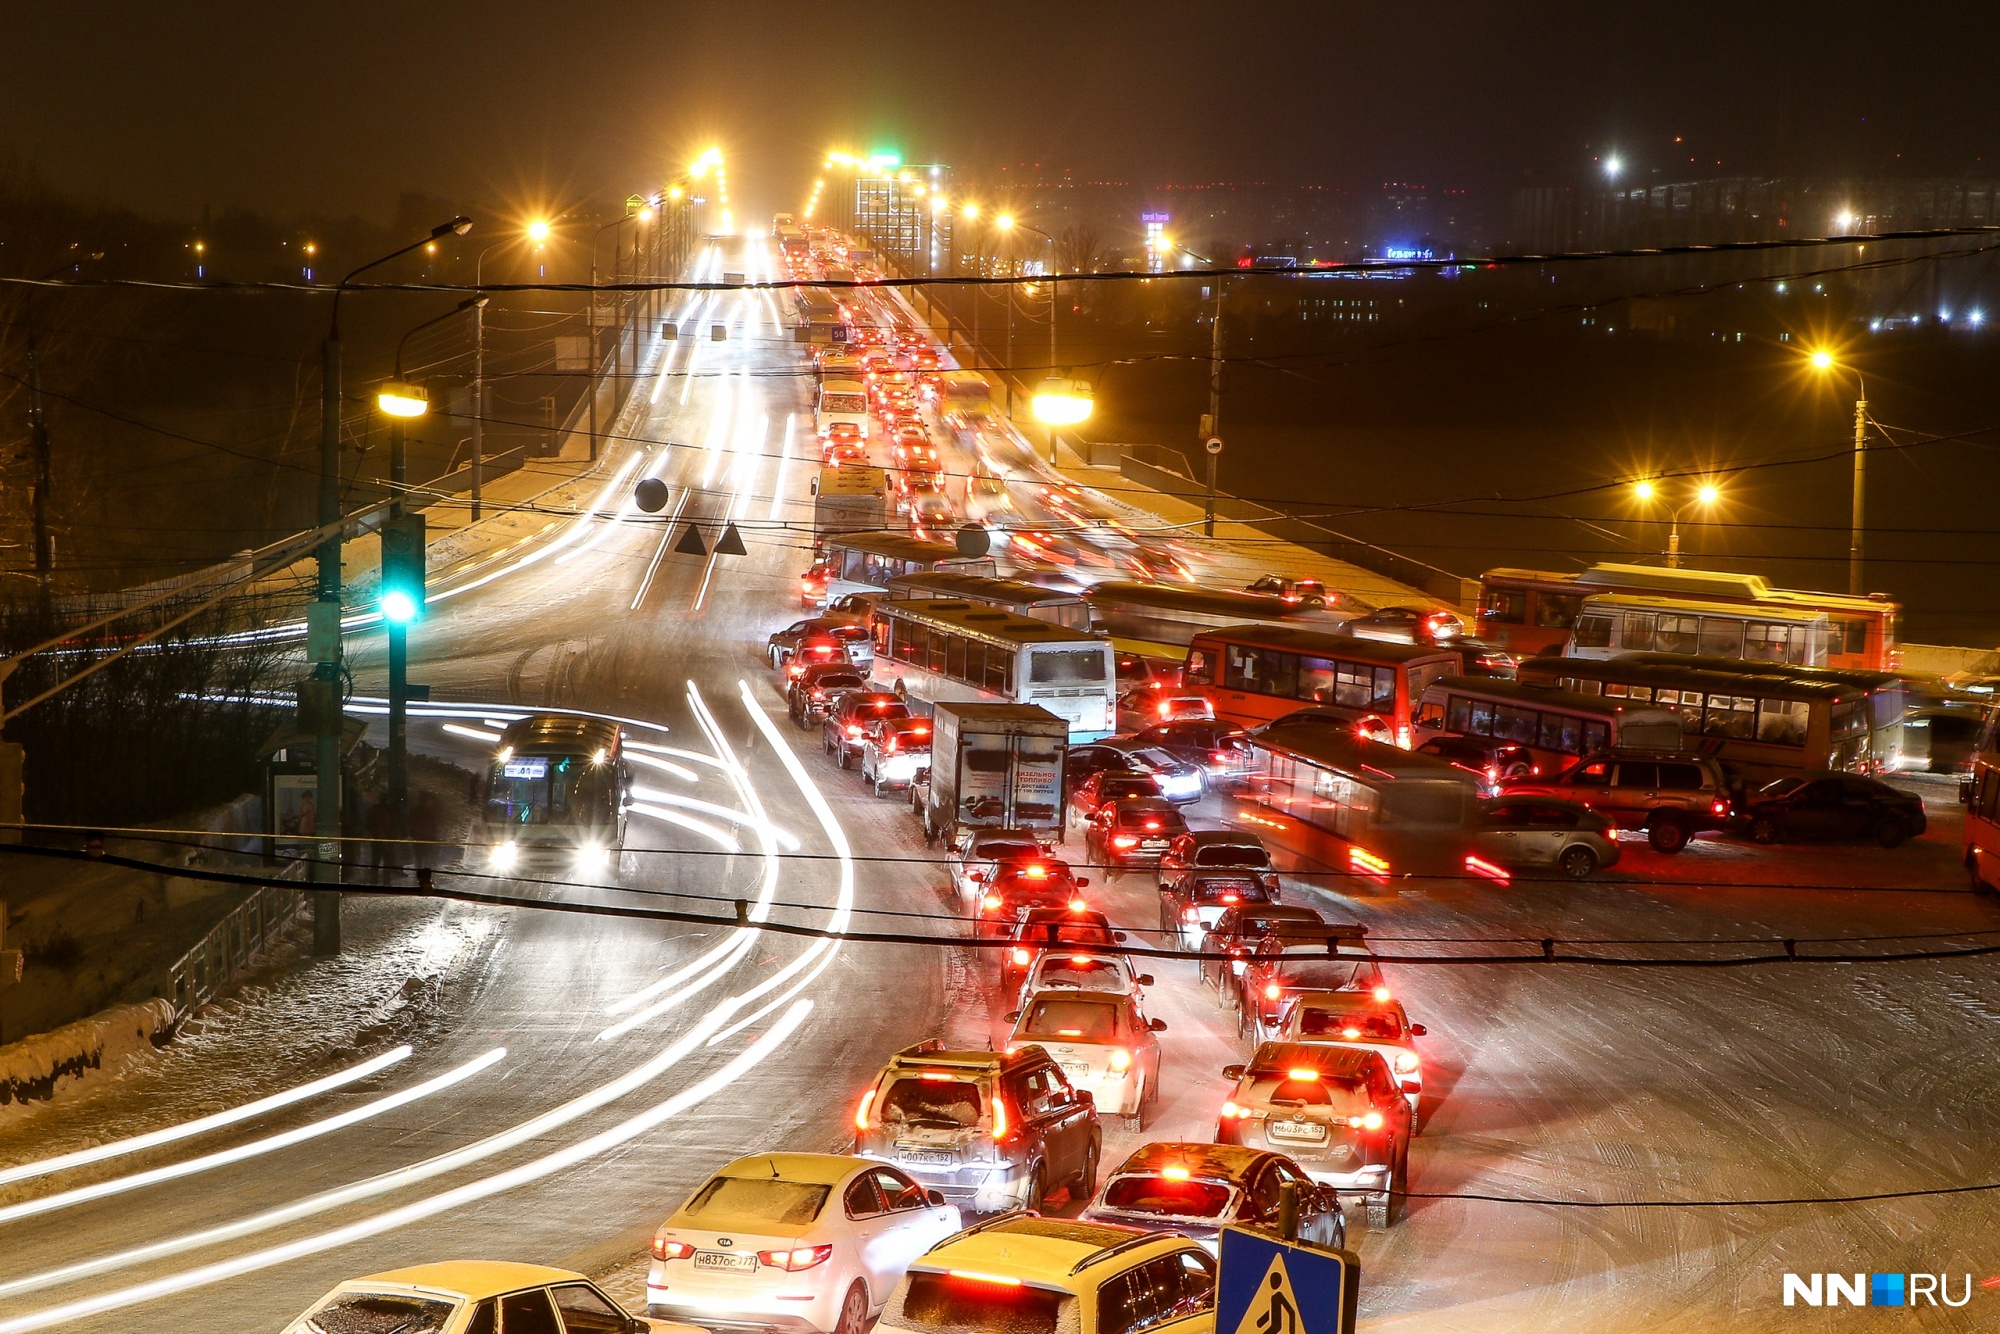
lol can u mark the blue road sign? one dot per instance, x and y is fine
(1268, 1286)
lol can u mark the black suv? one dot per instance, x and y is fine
(988, 1130)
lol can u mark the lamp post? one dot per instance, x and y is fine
(1211, 424)
(1054, 361)
(1060, 401)
(971, 214)
(1705, 496)
(1823, 362)
(596, 362)
(538, 232)
(323, 617)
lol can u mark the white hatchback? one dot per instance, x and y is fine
(808, 1242)
(1104, 1044)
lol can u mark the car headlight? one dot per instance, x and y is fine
(593, 857)
(505, 854)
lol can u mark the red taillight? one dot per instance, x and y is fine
(1021, 957)
(1231, 1111)
(1232, 898)
(671, 1250)
(1037, 871)
(1719, 807)
(861, 1113)
(1077, 905)
(1121, 1059)
(1366, 1121)
(1124, 841)
(1190, 915)
(854, 729)
(1152, 826)
(991, 903)
(1273, 991)
(1000, 1131)
(792, 1261)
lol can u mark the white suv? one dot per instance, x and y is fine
(1031, 1275)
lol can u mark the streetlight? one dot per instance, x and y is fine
(537, 232)
(1061, 401)
(1705, 496)
(323, 616)
(1823, 362)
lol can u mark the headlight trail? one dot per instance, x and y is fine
(654, 1000)
(472, 733)
(202, 1125)
(720, 837)
(653, 1117)
(255, 1148)
(788, 840)
(664, 766)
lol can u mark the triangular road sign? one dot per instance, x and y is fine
(690, 543)
(1275, 1308)
(730, 543)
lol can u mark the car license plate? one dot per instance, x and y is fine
(721, 1260)
(1296, 1132)
(1154, 845)
(1076, 1069)
(923, 1158)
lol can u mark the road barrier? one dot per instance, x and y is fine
(232, 945)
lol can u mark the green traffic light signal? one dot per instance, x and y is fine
(402, 589)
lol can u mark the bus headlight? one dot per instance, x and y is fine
(504, 855)
(592, 857)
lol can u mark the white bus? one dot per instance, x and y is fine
(1044, 604)
(866, 562)
(950, 649)
(842, 409)
(1614, 623)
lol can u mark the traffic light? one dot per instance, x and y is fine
(401, 597)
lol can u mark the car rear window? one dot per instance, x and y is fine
(1284, 1091)
(1349, 1025)
(839, 681)
(933, 1102)
(1092, 974)
(1325, 974)
(1230, 854)
(1162, 1195)
(1059, 1017)
(756, 1199)
(950, 1304)
(379, 1313)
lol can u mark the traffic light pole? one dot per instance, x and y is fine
(325, 868)
(399, 662)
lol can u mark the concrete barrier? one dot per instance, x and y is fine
(35, 1069)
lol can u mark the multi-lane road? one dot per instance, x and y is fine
(568, 1078)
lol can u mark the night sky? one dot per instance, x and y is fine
(336, 109)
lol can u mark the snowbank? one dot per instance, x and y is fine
(33, 1069)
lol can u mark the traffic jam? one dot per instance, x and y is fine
(1146, 784)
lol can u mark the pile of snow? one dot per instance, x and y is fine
(33, 1069)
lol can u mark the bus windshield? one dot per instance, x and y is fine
(543, 789)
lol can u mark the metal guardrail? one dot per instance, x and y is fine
(232, 944)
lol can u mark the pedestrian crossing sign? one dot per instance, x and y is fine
(1271, 1286)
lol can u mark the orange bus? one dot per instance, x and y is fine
(1256, 674)
(1527, 611)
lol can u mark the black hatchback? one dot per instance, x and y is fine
(1802, 807)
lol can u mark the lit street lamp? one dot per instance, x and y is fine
(1059, 401)
(1822, 361)
(1705, 497)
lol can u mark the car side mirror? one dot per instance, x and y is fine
(638, 1325)
(1083, 882)
(1418, 1030)
(1118, 935)
(1145, 979)
(1156, 1025)
(934, 1198)
(1012, 1016)
(1412, 1086)
(975, 876)
(1087, 1099)
(1232, 1072)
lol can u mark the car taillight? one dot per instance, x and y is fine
(1077, 905)
(991, 903)
(1366, 1121)
(1406, 1062)
(1121, 1059)
(1152, 826)
(1190, 915)
(1000, 1131)
(861, 1113)
(792, 1261)
(1124, 841)
(1720, 807)
(671, 1250)
(1273, 991)
(1021, 957)
(854, 729)
(1230, 1111)
(1232, 898)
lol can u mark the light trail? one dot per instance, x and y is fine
(784, 464)
(202, 1125)
(786, 839)
(744, 468)
(660, 552)
(603, 1142)
(665, 766)
(471, 733)
(694, 755)
(721, 837)
(255, 1148)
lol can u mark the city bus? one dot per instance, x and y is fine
(1529, 611)
(1981, 794)
(866, 562)
(1613, 623)
(936, 649)
(841, 410)
(1767, 719)
(1331, 801)
(1256, 674)
(1161, 620)
(1044, 604)
(555, 794)
(1555, 726)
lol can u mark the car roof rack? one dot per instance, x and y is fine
(1097, 1257)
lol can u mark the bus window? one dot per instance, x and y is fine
(1561, 732)
(1513, 723)
(1593, 632)
(1678, 634)
(1064, 667)
(1479, 718)
(1849, 719)
(1638, 631)
(1720, 638)
(1765, 642)
(1782, 722)
(1430, 714)
(1458, 715)
(1199, 670)
(1730, 715)
(1596, 736)
(1506, 606)
(1316, 679)
(1557, 611)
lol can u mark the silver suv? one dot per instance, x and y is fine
(1669, 794)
